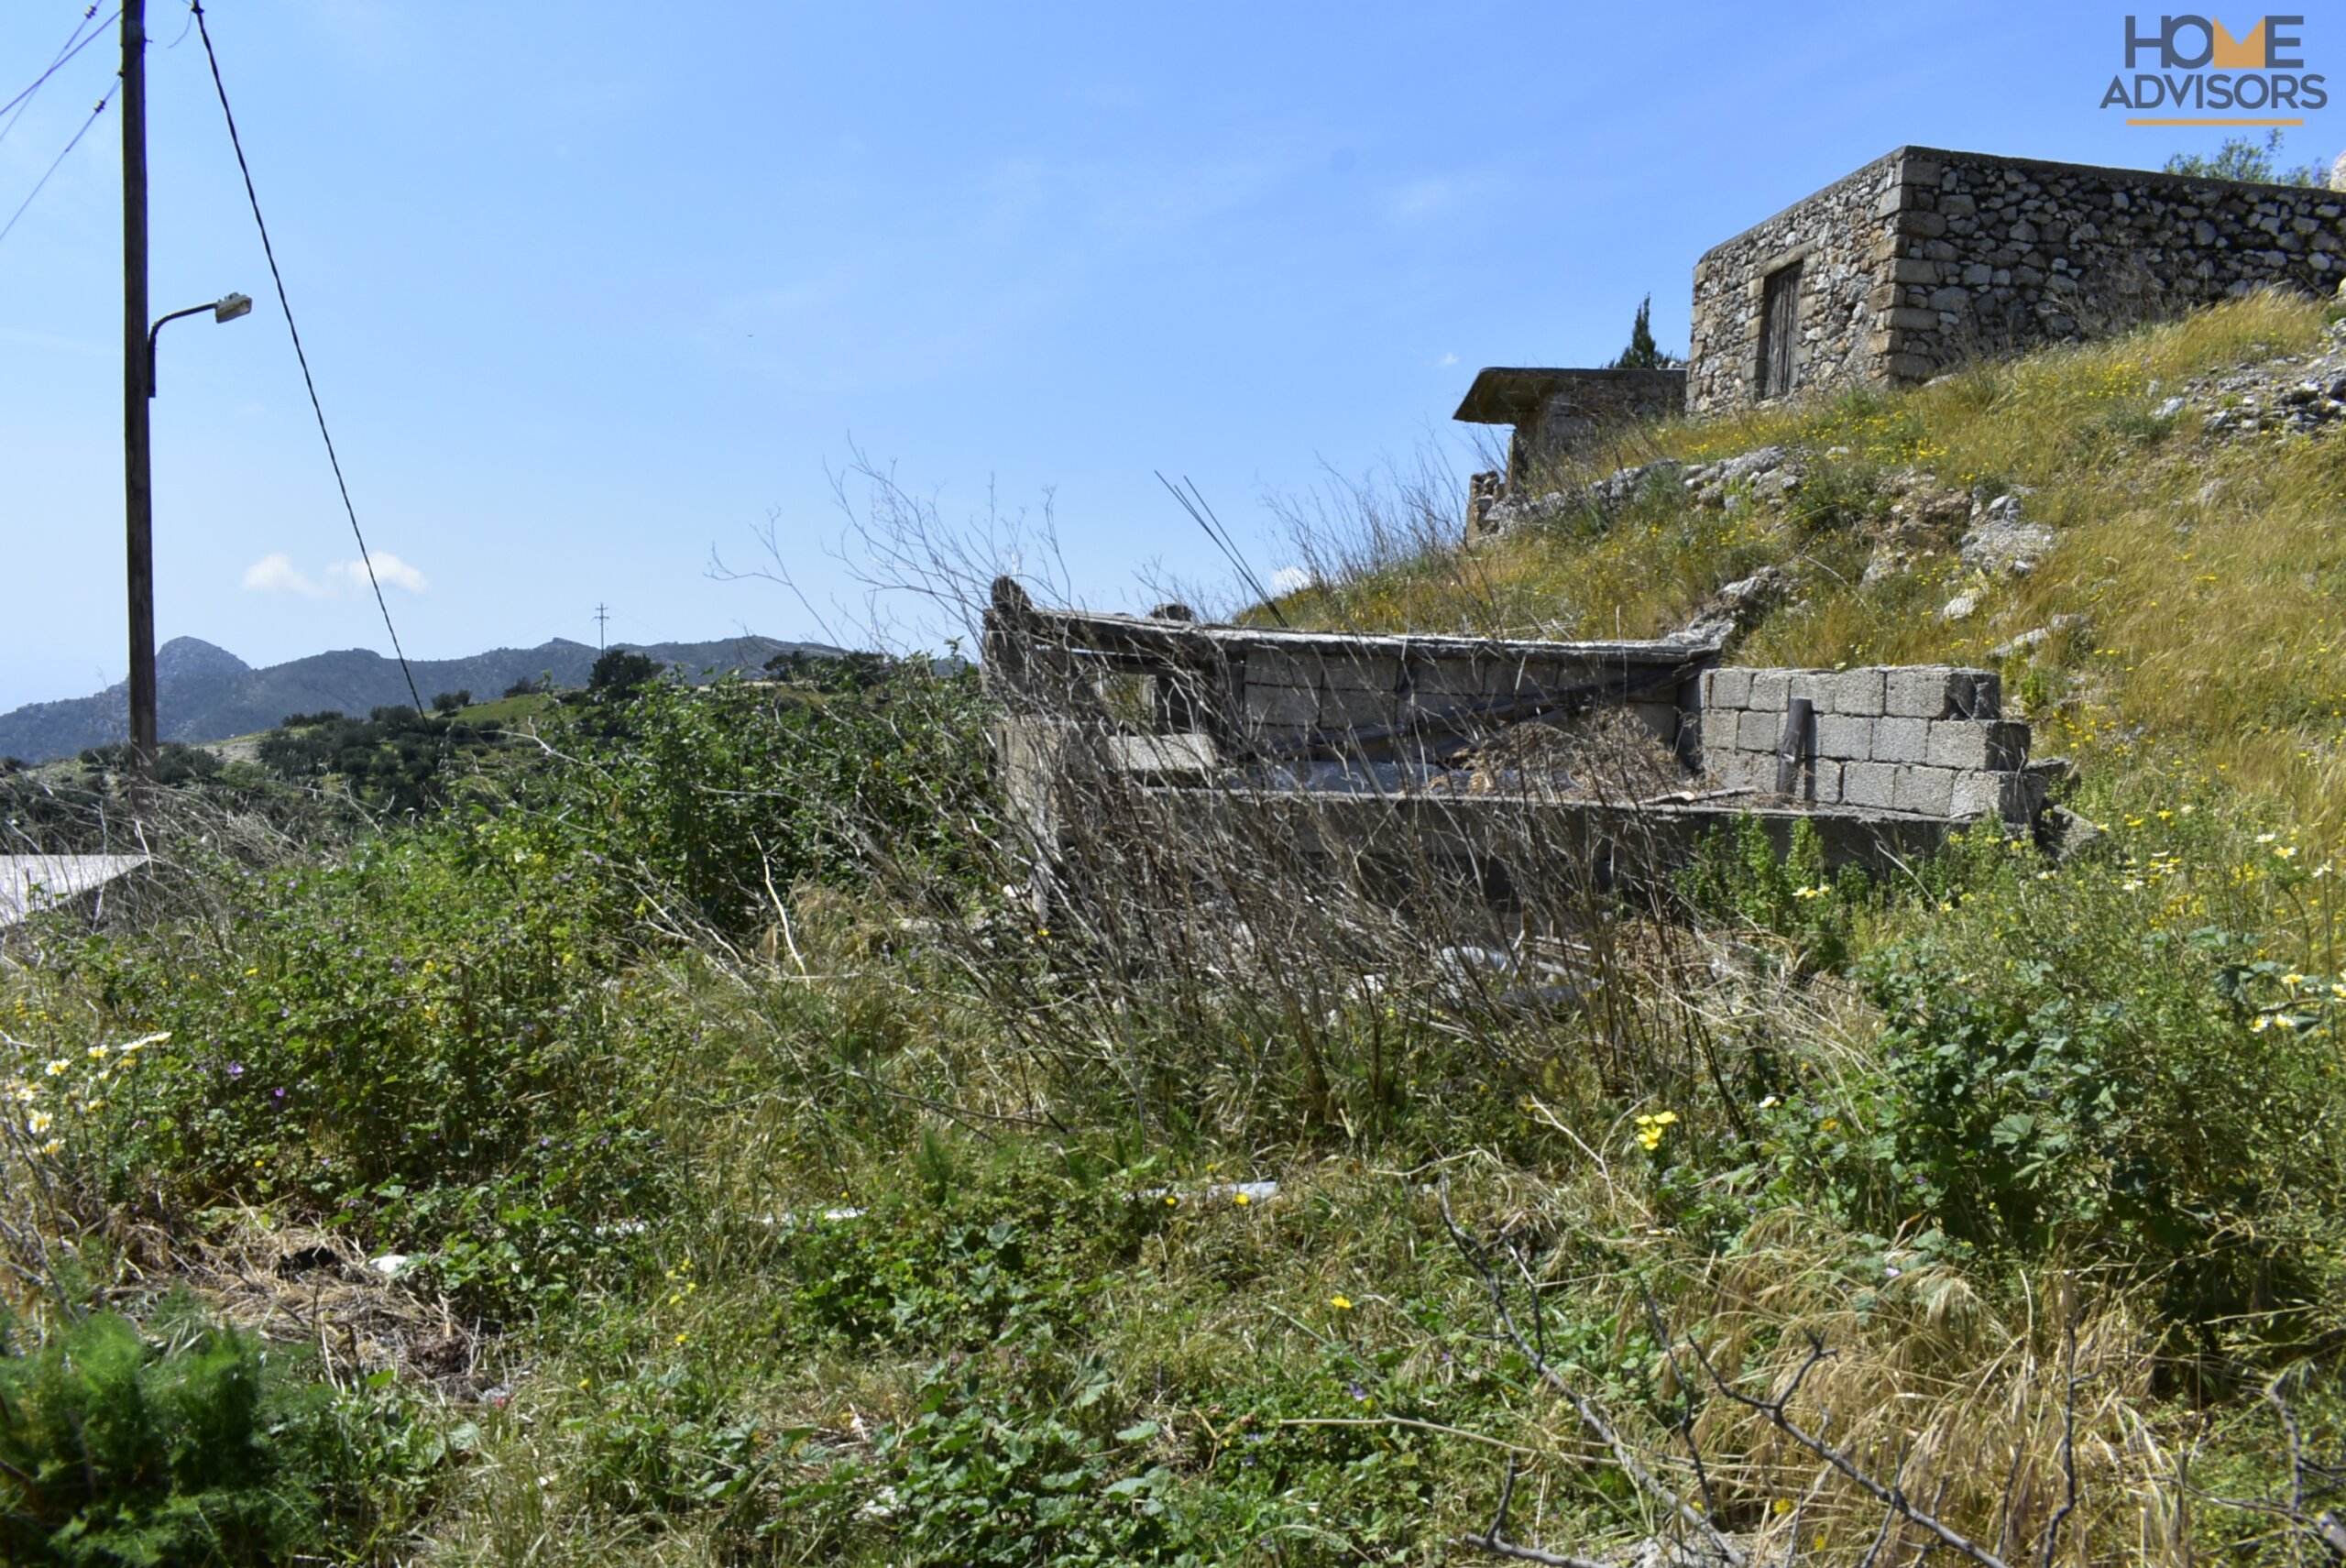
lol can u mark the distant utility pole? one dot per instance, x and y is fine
(602, 618)
(137, 488)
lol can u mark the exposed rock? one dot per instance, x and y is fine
(1489, 517)
(2065, 834)
(1620, 488)
(1735, 608)
(1765, 473)
(2000, 543)
(2029, 641)
(1510, 513)
(1960, 607)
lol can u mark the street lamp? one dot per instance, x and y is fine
(138, 484)
(227, 307)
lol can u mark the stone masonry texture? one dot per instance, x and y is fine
(1926, 257)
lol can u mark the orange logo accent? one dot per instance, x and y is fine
(2239, 54)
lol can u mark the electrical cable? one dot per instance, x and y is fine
(23, 100)
(60, 158)
(317, 408)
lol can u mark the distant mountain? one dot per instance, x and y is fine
(203, 692)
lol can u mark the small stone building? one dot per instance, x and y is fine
(1922, 259)
(1556, 412)
(1926, 257)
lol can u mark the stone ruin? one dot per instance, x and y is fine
(1906, 268)
(1617, 756)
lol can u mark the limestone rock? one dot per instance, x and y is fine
(2000, 543)
(1735, 607)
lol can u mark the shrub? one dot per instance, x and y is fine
(1738, 876)
(730, 789)
(424, 1041)
(115, 1451)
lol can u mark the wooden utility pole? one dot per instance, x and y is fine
(137, 479)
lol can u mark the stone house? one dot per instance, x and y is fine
(1559, 411)
(1926, 257)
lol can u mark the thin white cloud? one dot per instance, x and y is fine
(1445, 360)
(1289, 579)
(389, 569)
(277, 574)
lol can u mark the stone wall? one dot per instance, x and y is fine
(1994, 254)
(1928, 738)
(1927, 258)
(1836, 235)
(1583, 407)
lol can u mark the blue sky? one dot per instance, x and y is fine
(591, 289)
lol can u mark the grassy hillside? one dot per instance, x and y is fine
(748, 1176)
(2213, 571)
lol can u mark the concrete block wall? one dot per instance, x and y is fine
(1926, 738)
(1288, 696)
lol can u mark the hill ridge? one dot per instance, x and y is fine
(206, 692)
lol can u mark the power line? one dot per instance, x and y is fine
(317, 408)
(1194, 503)
(24, 99)
(60, 158)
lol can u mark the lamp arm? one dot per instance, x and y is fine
(155, 330)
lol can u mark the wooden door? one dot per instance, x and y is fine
(1779, 330)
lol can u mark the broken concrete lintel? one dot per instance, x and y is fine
(1082, 630)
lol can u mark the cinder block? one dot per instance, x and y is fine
(1857, 692)
(1985, 699)
(1901, 740)
(1760, 731)
(1930, 792)
(1727, 688)
(1923, 691)
(1816, 685)
(1840, 736)
(1770, 690)
(1281, 705)
(1438, 681)
(1278, 670)
(1727, 770)
(1868, 783)
(1982, 745)
(1376, 673)
(1718, 726)
(1820, 782)
(1340, 708)
(2013, 796)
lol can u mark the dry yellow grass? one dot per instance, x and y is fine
(2214, 571)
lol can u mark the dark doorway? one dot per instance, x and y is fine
(1779, 330)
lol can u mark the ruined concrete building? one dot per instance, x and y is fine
(1926, 257)
(1470, 757)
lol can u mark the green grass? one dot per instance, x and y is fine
(793, 1240)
